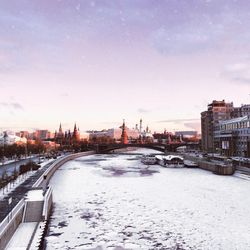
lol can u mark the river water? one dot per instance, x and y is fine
(116, 202)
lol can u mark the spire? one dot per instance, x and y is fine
(124, 136)
(60, 129)
(76, 134)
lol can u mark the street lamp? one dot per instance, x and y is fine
(26, 149)
(4, 141)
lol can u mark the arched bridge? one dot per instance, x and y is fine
(107, 148)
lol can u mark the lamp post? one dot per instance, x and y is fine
(3, 154)
(4, 168)
(4, 141)
(26, 149)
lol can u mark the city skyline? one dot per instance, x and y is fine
(97, 62)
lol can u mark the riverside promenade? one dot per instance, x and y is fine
(40, 179)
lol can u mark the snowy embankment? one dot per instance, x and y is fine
(109, 201)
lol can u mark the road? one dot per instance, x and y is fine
(10, 167)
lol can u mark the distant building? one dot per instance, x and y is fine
(25, 134)
(234, 136)
(8, 138)
(42, 134)
(166, 137)
(113, 134)
(241, 111)
(217, 111)
(84, 136)
(186, 134)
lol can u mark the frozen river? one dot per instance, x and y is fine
(116, 202)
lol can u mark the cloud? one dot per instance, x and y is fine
(64, 95)
(179, 120)
(142, 110)
(238, 72)
(11, 106)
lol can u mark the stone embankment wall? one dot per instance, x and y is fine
(212, 166)
(45, 178)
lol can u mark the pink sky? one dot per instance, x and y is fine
(97, 62)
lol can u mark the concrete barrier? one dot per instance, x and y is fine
(220, 169)
(9, 225)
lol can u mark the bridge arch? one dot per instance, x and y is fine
(102, 149)
(107, 148)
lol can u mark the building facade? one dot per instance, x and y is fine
(8, 138)
(217, 111)
(42, 134)
(241, 111)
(234, 136)
(114, 134)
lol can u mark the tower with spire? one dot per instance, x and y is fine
(140, 125)
(75, 135)
(59, 136)
(124, 136)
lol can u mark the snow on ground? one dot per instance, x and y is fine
(35, 195)
(115, 200)
(22, 236)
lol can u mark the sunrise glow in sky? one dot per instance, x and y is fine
(97, 62)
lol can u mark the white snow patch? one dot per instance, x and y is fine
(35, 195)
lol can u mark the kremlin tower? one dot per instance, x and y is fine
(76, 135)
(67, 138)
(59, 137)
(124, 136)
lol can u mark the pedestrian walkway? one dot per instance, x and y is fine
(19, 192)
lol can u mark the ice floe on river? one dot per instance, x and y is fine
(116, 202)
